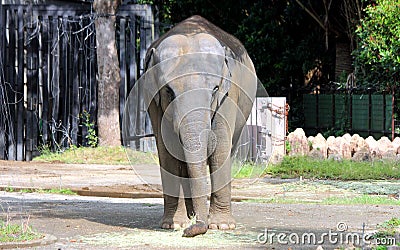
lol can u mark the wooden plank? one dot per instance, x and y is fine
(132, 53)
(75, 88)
(55, 79)
(30, 63)
(64, 83)
(3, 100)
(84, 82)
(92, 78)
(10, 77)
(35, 89)
(45, 47)
(122, 62)
(20, 86)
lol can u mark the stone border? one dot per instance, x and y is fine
(344, 147)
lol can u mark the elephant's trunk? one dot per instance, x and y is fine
(193, 132)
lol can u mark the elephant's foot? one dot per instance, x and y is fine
(195, 229)
(169, 222)
(222, 221)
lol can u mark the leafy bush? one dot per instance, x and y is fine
(378, 53)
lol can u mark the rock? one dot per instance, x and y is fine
(396, 144)
(347, 137)
(335, 157)
(276, 158)
(373, 146)
(345, 148)
(384, 146)
(357, 143)
(298, 142)
(332, 147)
(316, 154)
(310, 140)
(362, 154)
(389, 155)
(319, 143)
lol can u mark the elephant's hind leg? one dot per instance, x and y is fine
(174, 213)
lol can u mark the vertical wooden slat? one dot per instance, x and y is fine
(122, 62)
(92, 78)
(132, 53)
(3, 100)
(30, 68)
(32, 87)
(20, 86)
(64, 91)
(10, 79)
(55, 80)
(33, 104)
(45, 80)
(75, 88)
(84, 82)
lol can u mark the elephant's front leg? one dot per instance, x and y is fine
(175, 212)
(220, 214)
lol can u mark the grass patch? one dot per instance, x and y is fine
(361, 200)
(247, 170)
(97, 155)
(17, 232)
(358, 200)
(390, 187)
(294, 167)
(65, 191)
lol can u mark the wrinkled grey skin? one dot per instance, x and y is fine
(197, 120)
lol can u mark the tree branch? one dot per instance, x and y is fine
(312, 15)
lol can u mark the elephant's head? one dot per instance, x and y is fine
(192, 77)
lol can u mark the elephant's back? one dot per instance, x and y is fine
(196, 25)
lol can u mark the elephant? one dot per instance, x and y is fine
(203, 87)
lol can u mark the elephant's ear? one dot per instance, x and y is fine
(148, 63)
(226, 81)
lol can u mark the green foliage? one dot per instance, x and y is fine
(294, 167)
(388, 229)
(378, 53)
(10, 232)
(91, 131)
(247, 170)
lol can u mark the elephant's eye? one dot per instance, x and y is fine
(170, 93)
(216, 88)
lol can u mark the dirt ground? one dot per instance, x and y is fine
(94, 222)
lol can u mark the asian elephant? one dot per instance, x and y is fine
(203, 87)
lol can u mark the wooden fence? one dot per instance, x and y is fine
(48, 72)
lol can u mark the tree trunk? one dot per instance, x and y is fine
(108, 73)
